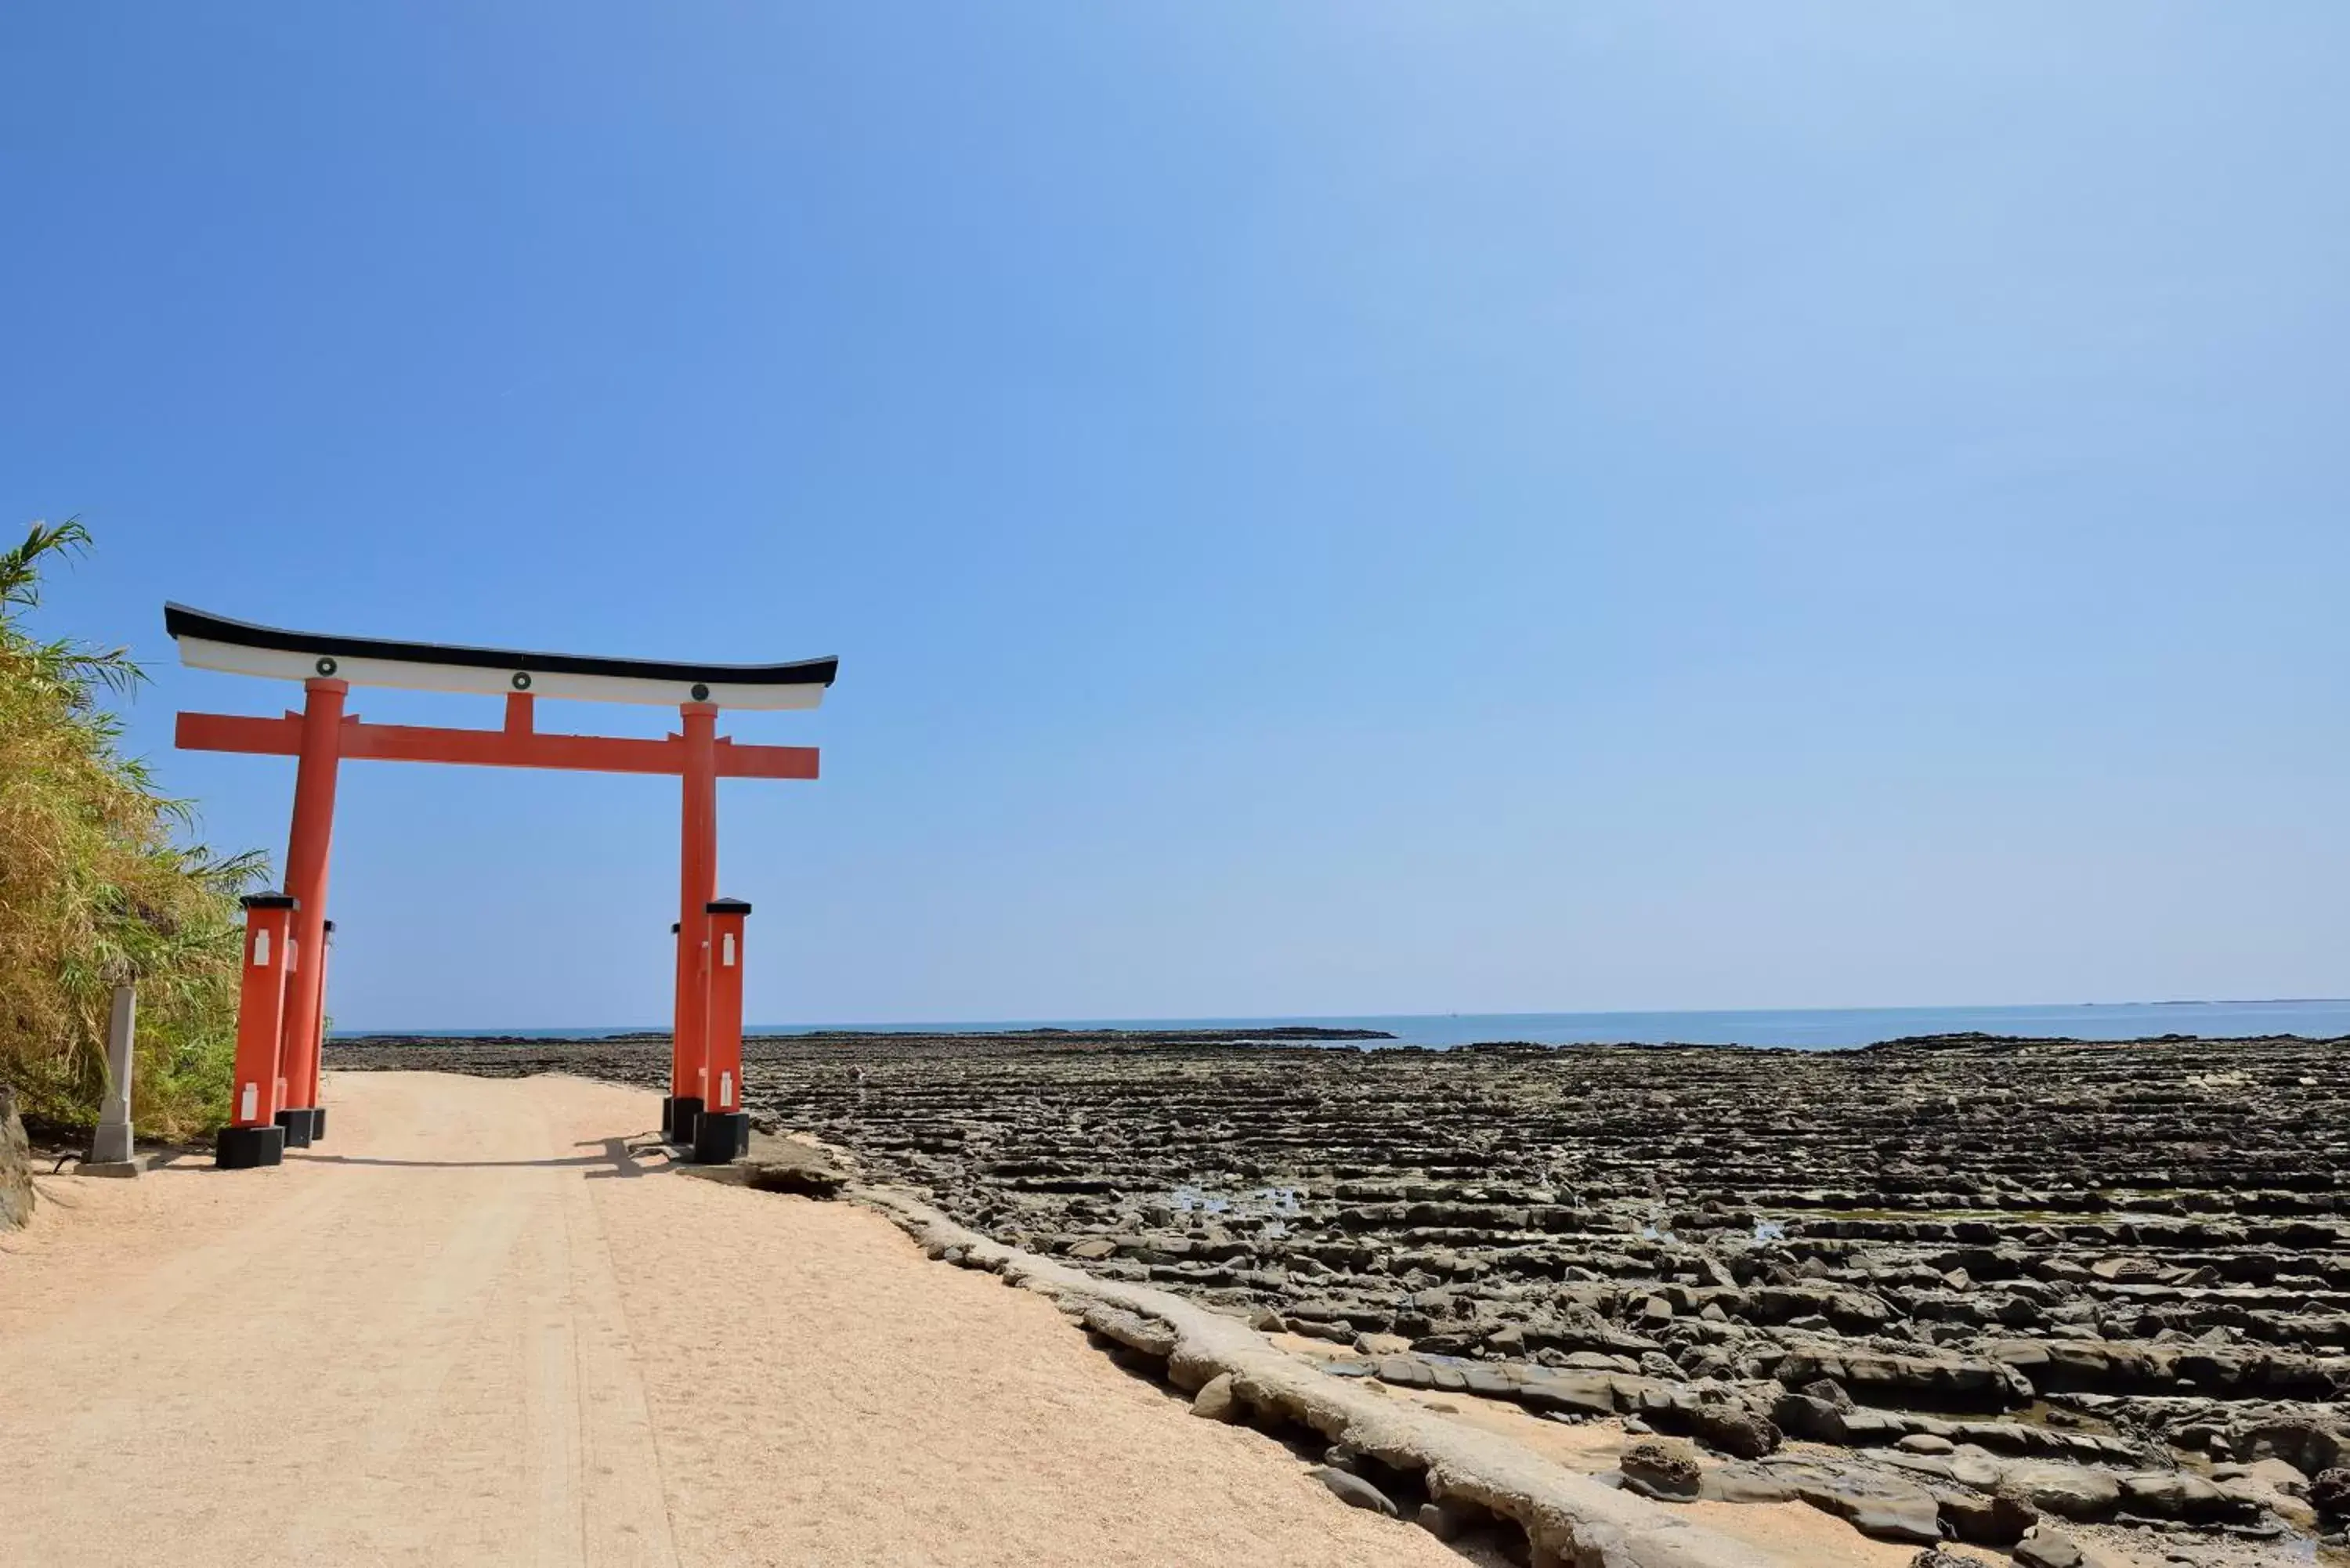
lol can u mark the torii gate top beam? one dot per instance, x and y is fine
(240, 647)
(279, 1028)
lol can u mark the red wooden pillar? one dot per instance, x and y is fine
(305, 880)
(676, 1035)
(319, 1033)
(697, 885)
(724, 1131)
(253, 1136)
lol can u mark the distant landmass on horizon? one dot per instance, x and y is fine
(1795, 1028)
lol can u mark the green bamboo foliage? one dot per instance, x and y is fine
(99, 883)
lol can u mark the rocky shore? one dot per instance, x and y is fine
(1951, 1287)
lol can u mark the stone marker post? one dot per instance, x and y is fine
(111, 1147)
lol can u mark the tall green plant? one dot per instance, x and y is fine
(99, 884)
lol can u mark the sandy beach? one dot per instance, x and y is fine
(477, 1329)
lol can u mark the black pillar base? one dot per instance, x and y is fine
(296, 1126)
(318, 1124)
(669, 1113)
(684, 1113)
(720, 1136)
(242, 1148)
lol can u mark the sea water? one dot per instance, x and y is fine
(1806, 1029)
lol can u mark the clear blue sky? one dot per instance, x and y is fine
(1342, 507)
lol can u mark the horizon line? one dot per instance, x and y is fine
(896, 1024)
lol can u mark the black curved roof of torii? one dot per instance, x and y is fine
(180, 620)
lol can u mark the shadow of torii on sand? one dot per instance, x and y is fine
(617, 1154)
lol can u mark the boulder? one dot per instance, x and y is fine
(1354, 1491)
(1664, 1471)
(1985, 1519)
(2329, 1493)
(1657, 1365)
(1807, 1417)
(1734, 1428)
(1215, 1401)
(1828, 1391)
(2046, 1548)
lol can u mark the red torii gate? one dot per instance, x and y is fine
(281, 1010)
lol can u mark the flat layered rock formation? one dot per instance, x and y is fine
(1975, 1283)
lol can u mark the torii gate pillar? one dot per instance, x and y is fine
(689, 1063)
(253, 1135)
(306, 878)
(723, 1132)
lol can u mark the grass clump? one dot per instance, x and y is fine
(99, 883)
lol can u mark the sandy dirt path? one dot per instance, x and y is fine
(472, 1328)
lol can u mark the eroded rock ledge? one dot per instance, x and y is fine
(1569, 1520)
